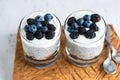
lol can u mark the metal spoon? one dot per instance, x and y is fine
(109, 65)
(115, 55)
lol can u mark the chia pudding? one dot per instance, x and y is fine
(85, 34)
(40, 34)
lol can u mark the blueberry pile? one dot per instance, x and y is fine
(84, 26)
(39, 27)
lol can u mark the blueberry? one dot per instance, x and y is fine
(39, 25)
(29, 35)
(80, 21)
(86, 24)
(44, 23)
(69, 29)
(71, 20)
(95, 18)
(49, 34)
(75, 26)
(44, 29)
(26, 28)
(31, 21)
(94, 27)
(82, 30)
(51, 27)
(33, 28)
(90, 34)
(48, 17)
(74, 35)
(38, 18)
(38, 34)
(87, 17)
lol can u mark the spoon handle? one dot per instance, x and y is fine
(108, 41)
(109, 51)
(108, 34)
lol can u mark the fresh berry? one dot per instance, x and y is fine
(49, 34)
(39, 25)
(51, 27)
(48, 17)
(75, 26)
(44, 29)
(38, 18)
(94, 27)
(74, 35)
(70, 29)
(80, 21)
(90, 34)
(33, 28)
(82, 30)
(87, 17)
(38, 34)
(86, 23)
(44, 23)
(31, 21)
(95, 18)
(71, 20)
(26, 28)
(29, 35)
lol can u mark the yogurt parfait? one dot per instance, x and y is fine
(40, 35)
(85, 34)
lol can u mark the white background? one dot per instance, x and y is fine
(12, 11)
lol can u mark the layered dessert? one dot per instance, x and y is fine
(40, 35)
(85, 33)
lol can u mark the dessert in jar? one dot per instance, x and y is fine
(40, 35)
(85, 34)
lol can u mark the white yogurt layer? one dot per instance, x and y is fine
(42, 42)
(83, 47)
(40, 49)
(82, 39)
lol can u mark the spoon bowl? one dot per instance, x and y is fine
(109, 66)
(115, 55)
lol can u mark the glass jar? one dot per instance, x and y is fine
(84, 52)
(41, 53)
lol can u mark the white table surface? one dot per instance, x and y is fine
(12, 11)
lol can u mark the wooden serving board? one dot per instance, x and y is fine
(62, 69)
